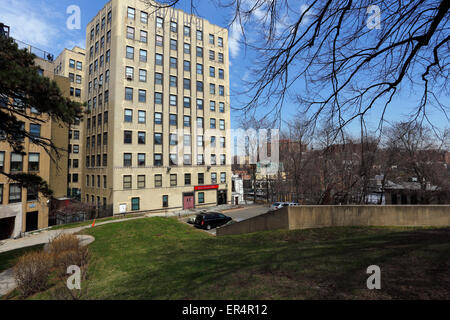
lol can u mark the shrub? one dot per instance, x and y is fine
(32, 272)
(65, 250)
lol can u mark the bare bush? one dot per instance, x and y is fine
(65, 250)
(32, 272)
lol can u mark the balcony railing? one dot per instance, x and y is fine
(36, 51)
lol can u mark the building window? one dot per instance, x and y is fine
(135, 204)
(211, 39)
(201, 178)
(199, 86)
(173, 81)
(222, 142)
(33, 162)
(187, 31)
(141, 137)
(201, 197)
(222, 160)
(141, 160)
(187, 121)
(186, 84)
(221, 74)
(200, 159)
(173, 119)
(141, 182)
(142, 118)
(157, 160)
(213, 142)
(223, 177)
(173, 63)
(200, 122)
(143, 55)
(130, 33)
(173, 160)
(212, 123)
(142, 96)
(144, 17)
(143, 75)
(127, 159)
(173, 26)
(158, 180)
(159, 59)
(158, 139)
(158, 98)
(186, 65)
(220, 57)
(187, 48)
(187, 179)
(212, 106)
(212, 55)
(199, 35)
(187, 102)
(129, 94)
(72, 63)
(200, 141)
(213, 159)
(159, 22)
(221, 107)
(158, 118)
(127, 184)
(131, 13)
(16, 164)
(221, 91)
(127, 137)
(173, 141)
(15, 193)
(199, 68)
(212, 88)
(187, 160)
(130, 53)
(173, 180)
(213, 177)
(158, 78)
(199, 52)
(200, 104)
(35, 130)
(32, 193)
(222, 124)
(173, 100)
(173, 44)
(212, 72)
(129, 73)
(159, 41)
(220, 42)
(128, 115)
(144, 36)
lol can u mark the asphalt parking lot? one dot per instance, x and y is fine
(239, 214)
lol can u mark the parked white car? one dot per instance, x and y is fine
(279, 205)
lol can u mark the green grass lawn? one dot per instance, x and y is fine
(9, 259)
(161, 258)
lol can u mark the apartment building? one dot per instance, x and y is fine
(157, 126)
(24, 210)
(71, 64)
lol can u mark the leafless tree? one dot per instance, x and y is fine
(344, 60)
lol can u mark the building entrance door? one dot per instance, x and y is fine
(188, 201)
(6, 227)
(32, 221)
(222, 197)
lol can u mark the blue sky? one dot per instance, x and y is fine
(42, 23)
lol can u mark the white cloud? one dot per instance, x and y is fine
(27, 22)
(235, 38)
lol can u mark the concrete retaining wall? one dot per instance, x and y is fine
(303, 217)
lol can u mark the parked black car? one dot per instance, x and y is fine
(211, 220)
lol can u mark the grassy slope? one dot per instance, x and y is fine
(9, 259)
(160, 258)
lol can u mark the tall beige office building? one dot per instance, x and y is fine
(71, 64)
(157, 128)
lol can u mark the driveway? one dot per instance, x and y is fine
(238, 214)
